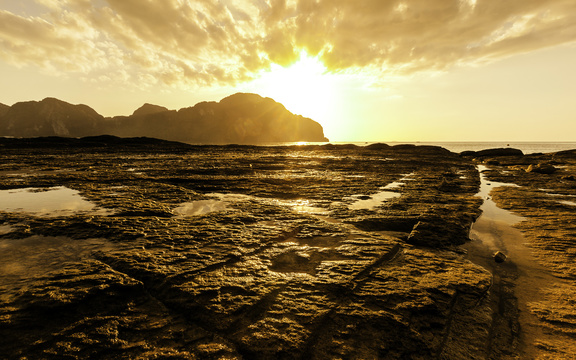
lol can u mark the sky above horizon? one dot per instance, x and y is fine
(367, 70)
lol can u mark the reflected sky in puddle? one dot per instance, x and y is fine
(201, 207)
(302, 206)
(223, 201)
(375, 200)
(489, 208)
(47, 202)
(382, 196)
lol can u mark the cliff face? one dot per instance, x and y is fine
(240, 118)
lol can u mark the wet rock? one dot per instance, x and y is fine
(542, 168)
(292, 262)
(287, 271)
(499, 257)
(493, 153)
(388, 223)
(569, 154)
(378, 146)
(439, 233)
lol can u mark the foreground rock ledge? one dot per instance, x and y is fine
(286, 269)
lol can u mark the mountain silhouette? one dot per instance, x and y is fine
(148, 109)
(3, 109)
(49, 117)
(240, 118)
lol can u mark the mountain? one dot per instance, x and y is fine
(148, 109)
(240, 118)
(3, 109)
(50, 117)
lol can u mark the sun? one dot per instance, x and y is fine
(305, 88)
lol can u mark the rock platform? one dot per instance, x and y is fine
(274, 262)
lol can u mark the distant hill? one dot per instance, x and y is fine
(49, 117)
(240, 118)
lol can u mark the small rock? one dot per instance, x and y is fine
(499, 257)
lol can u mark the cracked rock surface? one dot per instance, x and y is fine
(243, 252)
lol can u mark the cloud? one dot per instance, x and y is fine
(206, 42)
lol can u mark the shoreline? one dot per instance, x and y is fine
(275, 255)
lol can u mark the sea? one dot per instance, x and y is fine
(459, 146)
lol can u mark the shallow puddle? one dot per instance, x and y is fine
(374, 201)
(223, 201)
(489, 208)
(382, 196)
(201, 207)
(494, 228)
(302, 206)
(48, 202)
(519, 279)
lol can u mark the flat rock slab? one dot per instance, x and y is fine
(286, 268)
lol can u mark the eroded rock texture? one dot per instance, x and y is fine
(315, 252)
(541, 279)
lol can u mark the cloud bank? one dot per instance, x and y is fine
(224, 42)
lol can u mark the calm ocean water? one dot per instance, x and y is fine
(526, 147)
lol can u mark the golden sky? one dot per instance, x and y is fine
(389, 70)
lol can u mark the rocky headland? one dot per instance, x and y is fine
(239, 119)
(175, 251)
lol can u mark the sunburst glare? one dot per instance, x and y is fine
(305, 87)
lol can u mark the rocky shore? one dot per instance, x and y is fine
(144, 249)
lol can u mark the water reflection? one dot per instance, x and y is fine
(223, 201)
(47, 202)
(201, 207)
(374, 200)
(489, 208)
(386, 194)
(302, 206)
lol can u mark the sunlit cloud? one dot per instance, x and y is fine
(204, 43)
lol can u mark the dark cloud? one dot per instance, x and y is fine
(206, 42)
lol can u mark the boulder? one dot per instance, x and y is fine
(541, 168)
(493, 152)
(378, 146)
